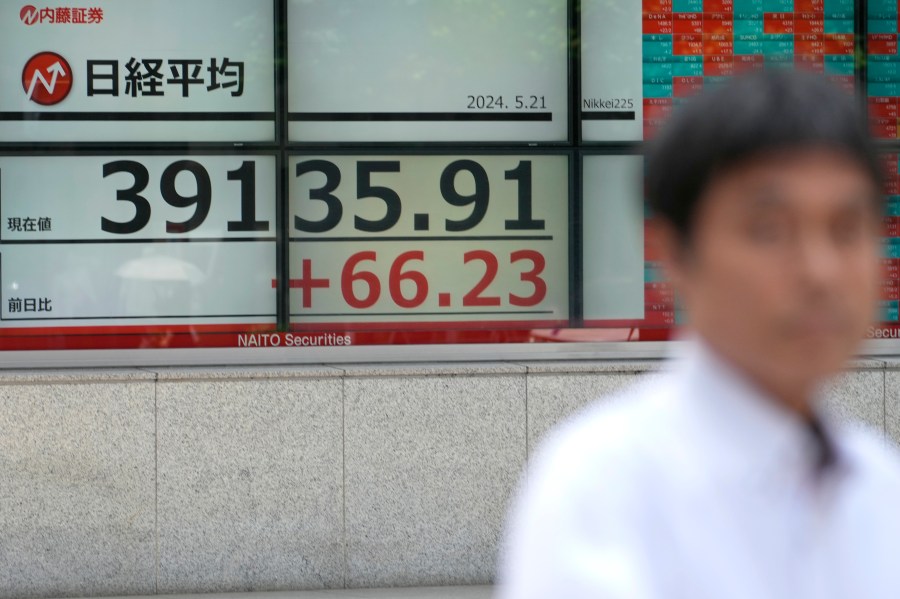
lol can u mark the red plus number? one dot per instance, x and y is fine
(306, 283)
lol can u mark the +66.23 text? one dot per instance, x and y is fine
(409, 288)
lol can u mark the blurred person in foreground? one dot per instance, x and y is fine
(724, 477)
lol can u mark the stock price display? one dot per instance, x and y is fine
(883, 69)
(137, 240)
(889, 327)
(394, 241)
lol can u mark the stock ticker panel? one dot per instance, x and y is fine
(890, 288)
(687, 45)
(883, 68)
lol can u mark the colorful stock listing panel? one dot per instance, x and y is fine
(691, 44)
(883, 68)
(890, 289)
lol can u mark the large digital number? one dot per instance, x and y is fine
(491, 266)
(141, 205)
(365, 189)
(349, 276)
(532, 276)
(246, 174)
(202, 199)
(524, 222)
(324, 194)
(479, 199)
(397, 276)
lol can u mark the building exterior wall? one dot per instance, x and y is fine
(141, 481)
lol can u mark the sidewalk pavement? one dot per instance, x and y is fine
(463, 592)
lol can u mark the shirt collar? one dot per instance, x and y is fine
(749, 429)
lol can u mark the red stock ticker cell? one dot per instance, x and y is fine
(657, 6)
(658, 23)
(718, 45)
(666, 318)
(688, 22)
(664, 307)
(884, 108)
(652, 252)
(657, 111)
(652, 248)
(888, 163)
(683, 87)
(718, 6)
(718, 66)
(658, 293)
(839, 44)
(883, 128)
(718, 23)
(882, 43)
(809, 43)
(809, 23)
(809, 5)
(891, 267)
(687, 45)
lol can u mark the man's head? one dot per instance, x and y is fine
(767, 193)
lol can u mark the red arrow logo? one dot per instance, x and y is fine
(47, 78)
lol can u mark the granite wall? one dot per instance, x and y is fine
(142, 481)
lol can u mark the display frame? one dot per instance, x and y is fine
(627, 149)
(572, 79)
(468, 150)
(160, 330)
(282, 148)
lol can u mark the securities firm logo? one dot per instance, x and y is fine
(31, 15)
(47, 78)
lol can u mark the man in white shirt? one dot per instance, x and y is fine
(723, 477)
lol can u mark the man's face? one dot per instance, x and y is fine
(782, 271)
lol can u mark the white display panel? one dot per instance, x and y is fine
(137, 70)
(105, 240)
(613, 231)
(427, 70)
(409, 241)
(611, 71)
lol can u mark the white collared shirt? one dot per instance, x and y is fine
(695, 485)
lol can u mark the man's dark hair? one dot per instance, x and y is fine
(743, 119)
